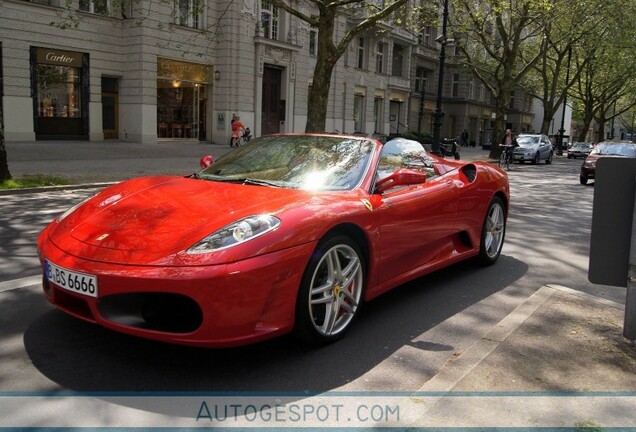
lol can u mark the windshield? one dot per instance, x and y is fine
(615, 149)
(527, 141)
(311, 162)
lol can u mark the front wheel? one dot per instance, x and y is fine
(583, 179)
(331, 290)
(537, 159)
(548, 161)
(493, 232)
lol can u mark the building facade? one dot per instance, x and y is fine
(153, 70)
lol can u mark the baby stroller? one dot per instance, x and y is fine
(246, 136)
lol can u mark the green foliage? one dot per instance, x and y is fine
(32, 181)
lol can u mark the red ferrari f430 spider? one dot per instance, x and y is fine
(288, 233)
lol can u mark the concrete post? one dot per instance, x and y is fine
(629, 329)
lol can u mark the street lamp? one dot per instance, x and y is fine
(565, 98)
(438, 115)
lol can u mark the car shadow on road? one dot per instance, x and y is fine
(87, 358)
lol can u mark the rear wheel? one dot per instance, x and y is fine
(493, 232)
(331, 290)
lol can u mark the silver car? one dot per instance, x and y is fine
(533, 148)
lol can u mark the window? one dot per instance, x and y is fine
(511, 105)
(379, 58)
(101, 7)
(59, 90)
(360, 58)
(455, 85)
(358, 113)
(471, 88)
(482, 93)
(424, 37)
(378, 115)
(421, 78)
(187, 13)
(398, 60)
(313, 41)
(269, 20)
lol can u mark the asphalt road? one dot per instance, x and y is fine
(398, 343)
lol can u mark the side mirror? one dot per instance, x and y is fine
(206, 161)
(401, 177)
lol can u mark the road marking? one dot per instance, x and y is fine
(20, 283)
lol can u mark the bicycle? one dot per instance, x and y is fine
(505, 160)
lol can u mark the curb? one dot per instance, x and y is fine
(24, 191)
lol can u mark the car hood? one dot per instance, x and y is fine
(527, 147)
(144, 221)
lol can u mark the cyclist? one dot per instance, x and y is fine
(509, 142)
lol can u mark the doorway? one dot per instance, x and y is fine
(273, 107)
(110, 108)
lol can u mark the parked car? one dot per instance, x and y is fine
(620, 149)
(288, 233)
(533, 148)
(579, 149)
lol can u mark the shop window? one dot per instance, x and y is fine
(187, 13)
(180, 108)
(59, 90)
(101, 7)
(269, 20)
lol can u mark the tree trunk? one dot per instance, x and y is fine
(4, 166)
(326, 59)
(319, 97)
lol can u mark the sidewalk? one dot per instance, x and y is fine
(559, 344)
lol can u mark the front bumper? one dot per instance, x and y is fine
(214, 306)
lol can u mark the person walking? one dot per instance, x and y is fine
(237, 127)
(463, 140)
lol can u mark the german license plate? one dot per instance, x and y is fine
(80, 283)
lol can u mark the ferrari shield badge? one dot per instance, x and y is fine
(367, 204)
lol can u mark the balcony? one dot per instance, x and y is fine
(399, 83)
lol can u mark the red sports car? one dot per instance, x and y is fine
(287, 233)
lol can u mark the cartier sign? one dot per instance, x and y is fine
(59, 57)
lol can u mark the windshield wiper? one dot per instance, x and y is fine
(244, 180)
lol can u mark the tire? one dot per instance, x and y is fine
(548, 161)
(493, 232)
(583, 179)
(537, 159)
(330, 291)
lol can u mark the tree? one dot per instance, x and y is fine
(605, 87)
(554, 74)
(4, 166)
(500, 42)
(330, 50)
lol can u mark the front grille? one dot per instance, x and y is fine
(166, 312)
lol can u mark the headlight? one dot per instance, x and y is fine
(236, 233)
(589, 164)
